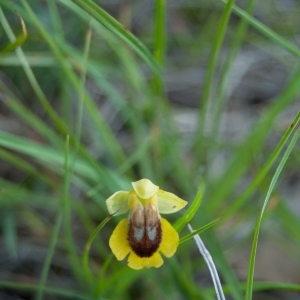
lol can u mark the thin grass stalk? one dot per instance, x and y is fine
(157, 82)
(49, 256)
(74, 260)
(22, 164)
(71, 294)
(160, 41)
(208, 82)
(78, 128)
(249, 287)
(210, 264)
(98, 288)
(266, 31)
(31, 77)
(109, 138)
(239, 162)
(10, 231)
(118, 29)
(197, 231)
(262, 172)
(221, 96)
(263, 286)
(55, 18)
(289, 220)
(17, 42)
(17, 107)
(134, 77)
(192, 209)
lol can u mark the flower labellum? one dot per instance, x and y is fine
(144, 233)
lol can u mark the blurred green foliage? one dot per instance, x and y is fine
(104, 93)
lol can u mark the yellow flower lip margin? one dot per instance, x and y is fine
(144, 234)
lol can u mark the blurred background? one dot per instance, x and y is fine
(184, 91)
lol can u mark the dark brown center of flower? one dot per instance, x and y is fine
(145, 234)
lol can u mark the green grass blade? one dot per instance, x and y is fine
(190, 212)
(98, 288)
(18, 41)
(49, 256)
(239, 163)
(31, 77)
(83, 80)
(133, 75)
(185, 284)
(69, 294)
(263, 171)
(260, 286)
(81, 93)
(224, 80)
(36, 59)
(289, 220)
(16, 106)
(55, 18)
(207, 85)
(42, 153)
(197, 231)
(109, 138)
(160, 41)
(10, 232)
(265, 286)
(265, 30)
(85, 257)
(160, 32)
(69, 242)
(54, 160)
(249, 286)
(112, 24)
(25, 166)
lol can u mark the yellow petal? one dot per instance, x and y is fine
(116, 201)
(137, 263)
(118, 242)
(144, 188)
(170, 239)
(134, 202)
(169, 203)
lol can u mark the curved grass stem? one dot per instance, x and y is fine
(210, 264)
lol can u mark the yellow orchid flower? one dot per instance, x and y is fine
(144, 233)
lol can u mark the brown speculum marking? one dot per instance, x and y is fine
(145, 233)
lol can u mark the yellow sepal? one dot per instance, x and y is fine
(116, 201)
(144, 188)
(169, 203)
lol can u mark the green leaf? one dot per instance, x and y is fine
(190, 212)
(50, 253)
(18, 41)
(249, 286)
(10, 232)
(117, 28)
(197, 231)
(85, 257)
(62, 293)
(269, 33)
(262, 172)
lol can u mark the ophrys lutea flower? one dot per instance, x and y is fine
(144, 234)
